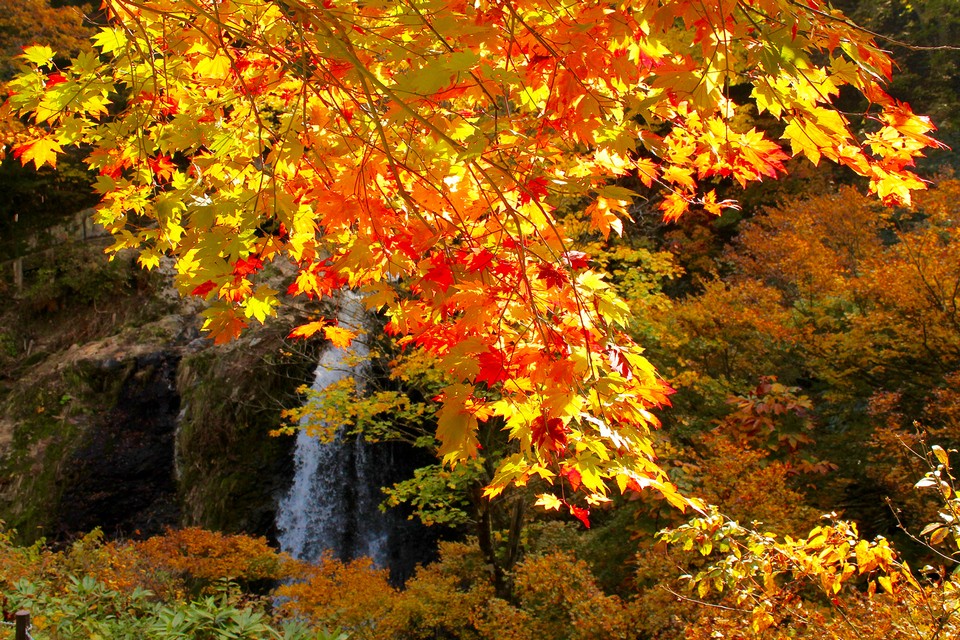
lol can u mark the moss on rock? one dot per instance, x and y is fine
(231, 470)
(72, 424)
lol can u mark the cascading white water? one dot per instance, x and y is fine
(333, 502)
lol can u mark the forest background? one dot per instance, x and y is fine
(812, 337)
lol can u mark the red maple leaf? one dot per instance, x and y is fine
(534, 189)
(205, 288)
(242, 268)
(476, 259)
(402, 243)
(576, 260)
(440, 274)
(551, 275)
(573, 477)
(550, 434)
(161, 166)
(492, 367)
(581, 514)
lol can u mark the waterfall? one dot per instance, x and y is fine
(333, 502)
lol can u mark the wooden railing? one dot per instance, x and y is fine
(36, 248)
(21, 624)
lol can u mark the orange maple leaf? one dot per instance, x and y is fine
(40, 152)
(308, 329)
(339, 336)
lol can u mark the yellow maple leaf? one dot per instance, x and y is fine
(40, 152)
(457, 424)
(37, 54)
(549, 501)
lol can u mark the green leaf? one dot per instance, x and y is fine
(461, 61)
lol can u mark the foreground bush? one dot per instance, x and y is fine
(186, 584)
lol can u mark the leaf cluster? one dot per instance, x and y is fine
(417, 151)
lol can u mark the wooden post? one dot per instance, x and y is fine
(18, 274)
(23, 622)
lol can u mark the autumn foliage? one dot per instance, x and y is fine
(468, 167)
(181, 563)
(417, 151)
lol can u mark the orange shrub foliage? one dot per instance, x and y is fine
(115, 564)
(555, 598)
(353, 596)
(558, 599)
(178, 564)
(201, 555)
(17, 563)
(444, 599)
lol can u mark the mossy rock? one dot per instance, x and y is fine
(73, 435)
(86, 439)
(231, 471)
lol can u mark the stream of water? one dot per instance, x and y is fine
(333, 502)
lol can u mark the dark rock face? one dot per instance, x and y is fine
(232, 472)
(409, 542)
(116, 413)
(150, 428)
(121, 475)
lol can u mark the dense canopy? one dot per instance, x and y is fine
(417, 151)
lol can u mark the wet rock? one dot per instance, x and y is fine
(120, 477)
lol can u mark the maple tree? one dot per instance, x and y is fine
(416, 151)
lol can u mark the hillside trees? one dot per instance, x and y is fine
(417, 150)
(857, 309)
(25, 23)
